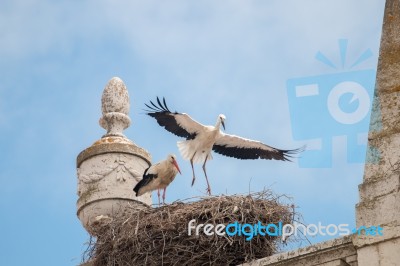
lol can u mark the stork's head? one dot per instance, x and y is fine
(221, 119)
(172, 160)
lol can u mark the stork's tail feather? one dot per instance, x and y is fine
(186, 149)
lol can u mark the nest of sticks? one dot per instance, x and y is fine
(159, 236)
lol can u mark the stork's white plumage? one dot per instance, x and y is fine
(158, 176)
(201, 140)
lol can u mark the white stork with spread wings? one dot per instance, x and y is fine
(201, 139)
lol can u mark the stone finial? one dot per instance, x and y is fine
(115, 108)
(110, 168)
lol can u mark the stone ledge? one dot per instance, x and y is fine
(378, 211)
(370, 190)
(102, 147)
(339, 251)
(390, 231)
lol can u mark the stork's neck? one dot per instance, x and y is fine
(218, 124)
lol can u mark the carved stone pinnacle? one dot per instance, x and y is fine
(115, 108)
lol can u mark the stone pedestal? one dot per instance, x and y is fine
(110, 168)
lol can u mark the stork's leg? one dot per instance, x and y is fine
(158, 194)
(163, 196)
(191, 163)
(205, 173)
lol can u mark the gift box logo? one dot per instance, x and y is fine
(332, 105)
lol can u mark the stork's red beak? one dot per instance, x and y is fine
(176, 165)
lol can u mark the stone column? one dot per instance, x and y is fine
(110, 168)
(379, 193)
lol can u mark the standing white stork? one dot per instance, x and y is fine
(158, 176)
(201, 139)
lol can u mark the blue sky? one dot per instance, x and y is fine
(206, 58)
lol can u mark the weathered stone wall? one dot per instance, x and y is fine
(380, 190)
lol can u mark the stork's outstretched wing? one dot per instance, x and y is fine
(241, 148)
(179, 124)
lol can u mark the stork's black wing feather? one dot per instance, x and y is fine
(241, 148)
(179, 124)
(147, 178)
(254, 153)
